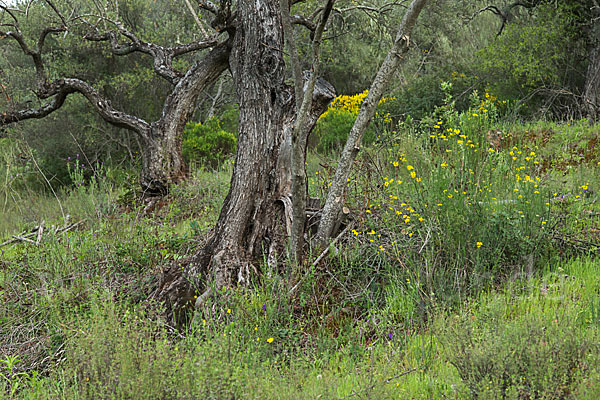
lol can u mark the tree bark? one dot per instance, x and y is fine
(300, 131)
(255, 219)
(162, 160)
(591, 90)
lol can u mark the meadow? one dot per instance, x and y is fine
(468, 268)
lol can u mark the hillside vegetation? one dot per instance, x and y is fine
(468, 269)
(152, 198)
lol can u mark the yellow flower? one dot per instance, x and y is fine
(229, 311)
(409, 167)
(479, 244)
(270, 340)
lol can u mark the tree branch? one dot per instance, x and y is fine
(196, 19)
(208, 6)
(505, 14)
(300, 132)
(336, 194)
(163, 56)
(300, 20)
(58, 90)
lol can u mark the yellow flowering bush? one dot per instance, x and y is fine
(335, 124)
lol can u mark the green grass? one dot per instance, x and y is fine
(492, 293)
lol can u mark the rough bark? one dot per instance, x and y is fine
(163, 162)
(251, 217)
(336, 194)
(591, 94)
(591, 90)
(255, 217)
(299, 132)
(264, 233)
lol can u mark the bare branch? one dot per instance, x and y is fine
(57, 12)
(35, 55)
(195, 16)
(59, 90)
(45, 33)
(504, 14)
(300, 20)
(163, 56)
(9, 12)
(335, 197)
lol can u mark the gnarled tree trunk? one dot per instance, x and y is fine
(163, 163)
(253, 219)
(162, 160)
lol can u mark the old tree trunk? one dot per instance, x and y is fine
(162, 160)
(591, 90)
(254, 218)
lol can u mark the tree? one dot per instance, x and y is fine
(162, 161)
(336, 194)
(266, 200)
(581, 16)
(253, 217)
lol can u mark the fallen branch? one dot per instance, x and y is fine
(38, 232)
(320, 257)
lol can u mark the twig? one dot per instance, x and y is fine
(24, 239)
(324, 253)
(320, 257)
(16, 238)
(39, 233)
(198, 22)
(379, 383)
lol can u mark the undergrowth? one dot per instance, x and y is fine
(468, 269)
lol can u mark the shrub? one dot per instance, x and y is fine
(534, 355)
(335, 124)
(207, 143)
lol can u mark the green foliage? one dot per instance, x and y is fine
(414, 199)
(540, 52)
(332, 129)
(207, 143)
(530, 343)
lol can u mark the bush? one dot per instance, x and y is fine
(207, 143)
(335, 124)
(535, 355)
